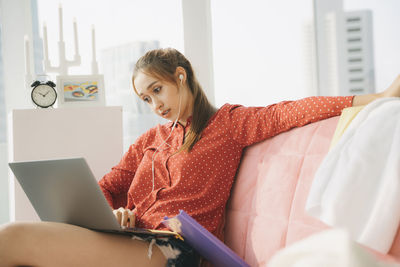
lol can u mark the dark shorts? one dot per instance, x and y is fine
(177, 252)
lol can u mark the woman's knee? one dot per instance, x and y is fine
(12, 241)
(7, 231)
(12, 233)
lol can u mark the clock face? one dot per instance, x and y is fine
(44, 95)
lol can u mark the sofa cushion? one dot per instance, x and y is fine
(266, 209)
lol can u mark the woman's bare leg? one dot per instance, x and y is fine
(45, 244)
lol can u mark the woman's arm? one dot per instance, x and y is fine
(115, 184)
(249, 125)
(392, 91)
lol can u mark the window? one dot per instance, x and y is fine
(386, 41)
(3, 115)
(4, 217)
(261, 50)
(124, 31)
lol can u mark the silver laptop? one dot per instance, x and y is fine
(66, 191)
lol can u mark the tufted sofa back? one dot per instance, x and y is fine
(266, 209)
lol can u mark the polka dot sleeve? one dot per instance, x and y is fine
(115, 184)
(250, 125)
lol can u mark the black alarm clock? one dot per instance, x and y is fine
(43, 94)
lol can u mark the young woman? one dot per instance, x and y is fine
(189, 163)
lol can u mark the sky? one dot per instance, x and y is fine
(258, 45)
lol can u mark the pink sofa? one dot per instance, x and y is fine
(266, 210)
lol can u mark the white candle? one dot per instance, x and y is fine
(93, 44)
(45, 45)
(27, 56)
(60, 22)
(76, 37)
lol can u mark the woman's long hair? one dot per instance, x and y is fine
(162, 64)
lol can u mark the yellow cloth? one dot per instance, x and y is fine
(348, 114)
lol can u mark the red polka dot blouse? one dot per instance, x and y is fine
(199, 182)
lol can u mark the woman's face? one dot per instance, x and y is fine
(164, 98)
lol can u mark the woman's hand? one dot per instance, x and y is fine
(125, 217)
(394, 89)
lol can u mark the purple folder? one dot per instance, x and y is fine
(205, 243)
